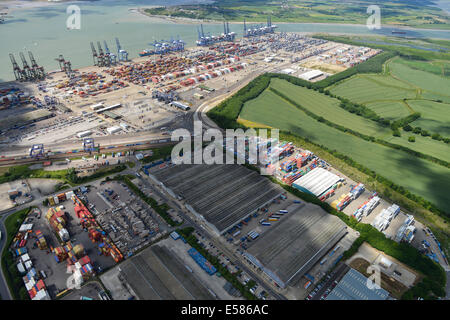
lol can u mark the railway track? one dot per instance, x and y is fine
(26, 159)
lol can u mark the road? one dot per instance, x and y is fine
(340, 271)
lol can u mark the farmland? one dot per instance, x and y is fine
(435, 116)
(391, 110)
(417, 175)
(328, 108)
(367, 89)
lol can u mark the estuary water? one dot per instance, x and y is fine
(43, 31)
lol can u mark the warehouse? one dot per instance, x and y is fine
(353, 286)
(111, 115)
(317, 182)
(112, 130)
(287, 250)
(220, 195)
(158, 274)
(311, 75)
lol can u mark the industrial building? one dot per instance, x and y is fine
(287, 250)
(220, 195)
(157, 274)
(317, 182)
(311, 75)
(353, 286)
(112, 130)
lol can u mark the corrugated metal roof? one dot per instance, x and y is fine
(317, 181)
(353, 286)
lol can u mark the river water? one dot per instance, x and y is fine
(43, 31)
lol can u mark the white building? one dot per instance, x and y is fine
(112, 130)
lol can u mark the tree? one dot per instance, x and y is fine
(417, 130)
(412, 139)
(407, 128)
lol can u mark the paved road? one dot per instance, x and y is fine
(339, 272)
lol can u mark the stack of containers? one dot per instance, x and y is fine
(357, 190)
(60, 254)
(42, 244)
(201, 261)
(106, 246)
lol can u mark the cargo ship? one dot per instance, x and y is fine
(146, 52)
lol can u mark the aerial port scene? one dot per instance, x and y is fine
(230, 151)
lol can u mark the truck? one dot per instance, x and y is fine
(283, 211)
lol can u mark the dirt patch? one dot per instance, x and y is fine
(394, 287)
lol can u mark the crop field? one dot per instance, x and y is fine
(422, 144)
(435, 116)
(440, 68)
(420, 176)
(366, 89)
(425, 80)
(328, 108)
(391, 110)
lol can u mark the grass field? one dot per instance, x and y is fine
(391, 110)
(440, 68)
(374, 88)
(435, 116)
(417, 175)
(425, 80)
(422, 144)
(328, 108)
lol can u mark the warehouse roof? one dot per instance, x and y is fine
(311, 74)
(287, 250)
(317, 181)
(222, 194)
(112, 115)
(353, 286)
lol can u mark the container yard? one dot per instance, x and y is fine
(55, 243)
(130, 223)
(223, 195)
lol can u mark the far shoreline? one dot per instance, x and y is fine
(183, 20)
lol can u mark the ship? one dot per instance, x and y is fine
(398, 32)
(146, 52)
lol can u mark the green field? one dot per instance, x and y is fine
(407, 87)
(328, 108)
(426, 145)
(425, 80)
(417, 175)
(440, 68)
(435, 116)
(391, 110)
(373, 88)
